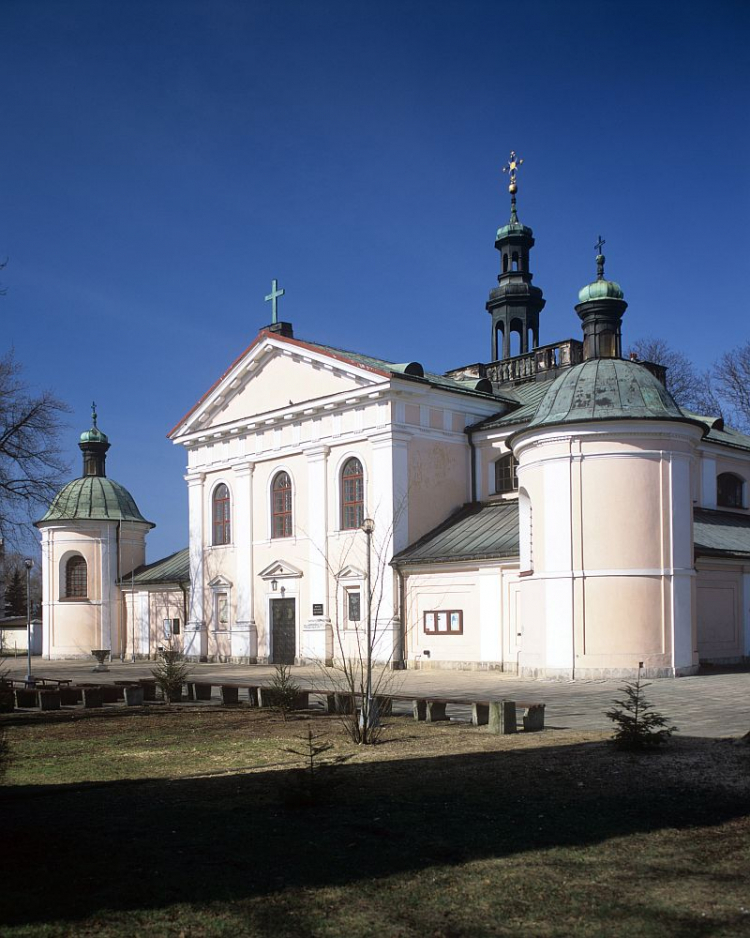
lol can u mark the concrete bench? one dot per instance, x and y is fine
(500, 716)
(48, 699)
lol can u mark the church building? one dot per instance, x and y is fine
(552, 513)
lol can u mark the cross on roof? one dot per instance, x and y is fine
(600, 244)
(273, 297)
(93, 412)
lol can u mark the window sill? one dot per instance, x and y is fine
(74, 599)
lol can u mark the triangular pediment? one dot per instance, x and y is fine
(278, 570)
(350, 573)
(275, 374)
(220, 582)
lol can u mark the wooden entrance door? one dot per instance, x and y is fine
(282, 631)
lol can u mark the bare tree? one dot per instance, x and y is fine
(361, 667)
(732, 376)
(691, 388)
(31, 467)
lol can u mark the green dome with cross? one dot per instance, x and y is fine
(93, 497)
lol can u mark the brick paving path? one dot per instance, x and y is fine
(711, 704)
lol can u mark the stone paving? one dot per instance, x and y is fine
(713, 704)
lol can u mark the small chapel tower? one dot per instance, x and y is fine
(92, 534)
(515, 304)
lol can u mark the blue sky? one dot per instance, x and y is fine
(163, 161)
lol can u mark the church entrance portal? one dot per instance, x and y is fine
(282, 631)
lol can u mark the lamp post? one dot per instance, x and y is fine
(28, 563)
(370, 718)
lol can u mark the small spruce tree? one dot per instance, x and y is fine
(15, 595)
(170, 674)
(283, 691)
(639, 726)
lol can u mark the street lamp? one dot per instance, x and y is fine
(370, 717)
(28, 563)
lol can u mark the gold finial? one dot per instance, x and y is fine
(511, 167)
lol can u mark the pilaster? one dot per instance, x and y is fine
(195, 629)
(244, 631)
(317, 634)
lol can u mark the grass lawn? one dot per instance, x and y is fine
(183, 822)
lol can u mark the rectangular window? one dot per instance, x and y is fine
(222, 611)
(444, 622)
(171, 627)
(353, 606)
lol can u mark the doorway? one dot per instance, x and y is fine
(283, 628)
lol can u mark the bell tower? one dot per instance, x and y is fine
(515, 304)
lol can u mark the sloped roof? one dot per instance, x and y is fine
(477, 531)
(391, 368)
(721, 533)
(528, 396)
(717, 432)
(169, 570)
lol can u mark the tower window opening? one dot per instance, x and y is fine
(505, 263)
(514, 265)
(76, 586)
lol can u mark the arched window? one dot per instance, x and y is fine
(222, 514)
(76, 585)
(506, 474)
(352, 495)
(281, 506)
(729, 490)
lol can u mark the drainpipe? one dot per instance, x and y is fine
(473, 450)
(400, 663)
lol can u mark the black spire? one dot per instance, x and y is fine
(515, 304)
(94, 445)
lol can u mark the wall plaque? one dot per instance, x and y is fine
(317, 609)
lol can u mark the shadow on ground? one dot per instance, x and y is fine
(150, 844)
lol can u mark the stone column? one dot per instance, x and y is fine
(244, 637)
(195, 629)
(317, 632)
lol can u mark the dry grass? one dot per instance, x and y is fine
(178, 823)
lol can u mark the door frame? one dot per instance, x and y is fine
(275, 597)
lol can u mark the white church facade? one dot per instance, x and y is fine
(552, 513)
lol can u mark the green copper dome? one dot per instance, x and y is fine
(94, 435)
(600, 290)
(606, 389)
(94, 498)
(514, 228)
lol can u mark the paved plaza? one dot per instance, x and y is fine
(713, 704)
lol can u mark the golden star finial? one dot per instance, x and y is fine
(511, 167)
